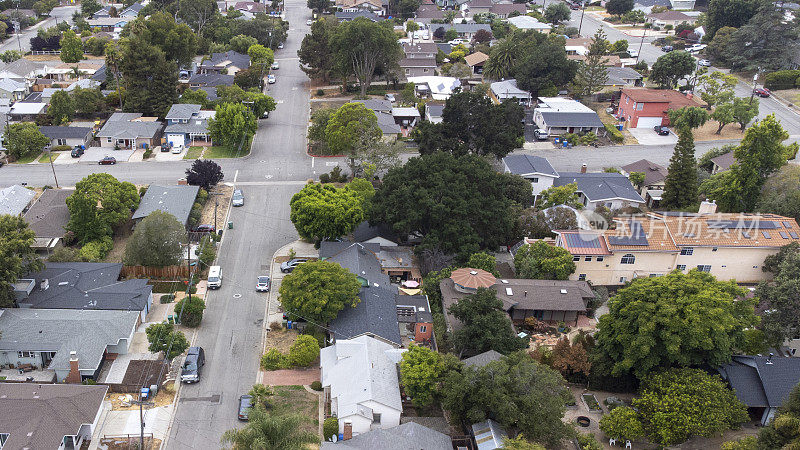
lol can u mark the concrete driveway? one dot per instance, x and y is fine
(95, 154)
(647, 136)
(169, 156)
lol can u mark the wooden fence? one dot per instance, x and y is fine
(171, 272)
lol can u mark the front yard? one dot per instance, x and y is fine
(218, 151)
(296, 400)
(193, 153)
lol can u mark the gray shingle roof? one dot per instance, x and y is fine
(387, 124)
(571, 119)
(87, 333)
(759, 384)
(227, 59)
(375, 315)
(404, 437)
(350, 15)
(79, 285)
(360, 260)
(434, 110)
(417, 62)
(482, 359)
(529, 164)
(176, 200)
(724, 161)
(364, 232)
(620, 75)
(49, 215)
(544, 295)
(653, 173)
(120, 129)
(182, 111)
(14, 199)
(376, 105)
(212, 79)
(53, 132)
(38, 416)
(601, 186)
(471, 27)
(195, 126)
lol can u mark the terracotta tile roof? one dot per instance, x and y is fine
(731, 230)
(476, 58)
(640, 234)
(675, 99)
(583, 242)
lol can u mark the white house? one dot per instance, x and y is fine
(359, 378)
(558, 115)
(535, 169)
(500, 91)
(529, 23)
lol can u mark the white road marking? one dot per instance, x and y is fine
(331, 163)
(236, 175)
(312, 162)
(268, 176)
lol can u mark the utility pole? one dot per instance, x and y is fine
(141, 404)
(641, 43)
(583, 11)
(50, 152)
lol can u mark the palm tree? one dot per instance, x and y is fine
(269, 432)
(501, 61)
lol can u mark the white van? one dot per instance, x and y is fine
(214, 277)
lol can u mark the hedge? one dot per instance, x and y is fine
(614, 134)
(782, 79)
(330, 427)
(61, 148)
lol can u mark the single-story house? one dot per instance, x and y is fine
(426, 13)
(375, 6)
(409, 435)
(647, 107)
(377, 106)
(200, 80)
(359, 376)
(383, 112)
(48, 217)
(406, 117)
(176, 200)
(535, 169)
(686, 5)
(558, 115)
(83, 286)
(130, 130)
(347, 16)
(610, 60)
(612, 190)
(15, 199)
(228, 63)
(26, 112)
(763, 383)
(132, 11)
(12, 89)
(475, 61)
(621, 77)
(250, 9)
(109, 24)
(503, 10)
(577, 46)
(529, 23)
(655, 177)
(24, 70)
(70, 136)
(466, 30)
(74, 343)
(433, 112)
(49, 416)
(375, 316)
(669, 17)
(473, 7)
(500, 91)
(435, 87)
(187, 125)
(722, 163)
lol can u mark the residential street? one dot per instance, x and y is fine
(59, 14)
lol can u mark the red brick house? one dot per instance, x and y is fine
(646, 107)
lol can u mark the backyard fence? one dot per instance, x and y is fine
(172, 272)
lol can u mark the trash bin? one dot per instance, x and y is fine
(565, 143)
(145, 393)
(556, 140)
(620, 127)
(230, 224)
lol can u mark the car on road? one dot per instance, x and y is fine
(704, 63)
(289, 266)
(280, 46)
(762, 92)
(661, 130)
(193, 365)
(263, 284)
(77, 152)
(390, 98)
(177, 149)
(667, 48)
(204, 228)
(540, 134)
(309, 22)
(574, 6)
(245, 403)
(271, 79)
(633, 53)
(275, 66)
(238, 198)
(459, 41)
(108, 160)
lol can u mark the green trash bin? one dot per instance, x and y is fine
(230, 225)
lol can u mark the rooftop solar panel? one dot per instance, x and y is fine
(582, 240)
(766, 235)
(746, 234)
(787, 224)
(793, 234)
(635, 236)
(784, 235)
(742, 224)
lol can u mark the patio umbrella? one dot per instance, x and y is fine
(412, 284)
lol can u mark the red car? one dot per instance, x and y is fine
(761, 92)
(108, 160)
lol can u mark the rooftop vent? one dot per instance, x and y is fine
(473, 272)
(509, 291)
(45, 284)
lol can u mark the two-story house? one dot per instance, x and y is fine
(647, 107)
(420, 59)
(227, 63)
(187, 125)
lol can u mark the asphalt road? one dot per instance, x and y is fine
(60, 14)
(233, 321)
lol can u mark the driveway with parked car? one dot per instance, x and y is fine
(95, 154)
(649, 136)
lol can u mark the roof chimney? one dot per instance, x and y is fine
(707, 207)
(45, 284)
(583, 168)
(74, 375)
(769, 359)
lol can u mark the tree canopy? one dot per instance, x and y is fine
(100, 203)
(671, 67)
(780, 297)
(317, 59)
(156, 241)
(163, 337)
(232, 125)
(762, 43)
(420, 371)
(318, 290)
(484, 325)
(24, 139)
(351, 131)
(204, 173)
(325, 212)
(781, 193)
(729, 13)
(541, 261)
(363, 47)
(16, 255)
(71, 47)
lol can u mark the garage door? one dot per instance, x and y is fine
(648, 122)
(177, 139)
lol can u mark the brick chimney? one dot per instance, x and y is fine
(74, 375)
(348, 431)
(583, 168)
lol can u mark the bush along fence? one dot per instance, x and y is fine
(155, 272)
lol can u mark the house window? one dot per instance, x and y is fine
(639, 106)
(600, 258)
(704, 268)
(108, 140)
(425, 70)
(61, 142)
(687, 251)
(576, 258)
(26, 354)
(627, 259)
(714, 249)
(423, 328)
(408, 71)
(681, 267)
(622, 279)
(587, 258)
(534, 180)
(582, 277)
(755, 267)
(376, 417)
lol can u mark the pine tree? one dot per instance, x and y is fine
(592, 73)
(680, 187)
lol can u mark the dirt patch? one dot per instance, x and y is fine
(296, 400)
(281, 339)
(290, 377)
(144, 372)
(129, 442)
(224, 198)
(121, 236)
(608, 119)
(708, 132)
(163, 398)
(329, 102)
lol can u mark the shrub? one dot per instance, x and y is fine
(320, 92)
(208, 252)
(96, 250)
(61, 148)
(587, 441)
(304, 351)
(337, 176)
(147, 153)
(167, 298)
(190, 310)
(202, 196)
(316, 385)
(330, 427)
(66, 254)
(324, 178)
(274, 360)
(782, 79)
(614, 134)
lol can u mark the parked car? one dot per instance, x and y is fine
(166, 147)
(265, 115)
(177, 149)
(238, 198)
(271, 79)
(108, 160)
(633, 53)
(704, 63)
(667, 48)
(77, 151)
(263, 284)
(280, 45)
(204, 228)
(574, 6)
(309, 22)
(245, 402)
(459, 41)
(661, 130)
(540, 134)
(289, 266)
(390, 97)
(762, 92)
(696, 47)
(193, 365)
(275, 66)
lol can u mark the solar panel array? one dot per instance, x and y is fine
(582, 240)
(636, 236)
(784, 235)
(747, 224)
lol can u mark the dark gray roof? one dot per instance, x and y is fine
(364, 232)
(653, 173)
(212, 79)
(387, 124)
(49, 215)
(182, 111)
(121, 129)
(350, 15)
(211, 92)
(758, 383)
(360, 260)
(444, 46)
(65, 132)
(374, 315)
(601, 186)
(471, 27)
(100, 74)
(724, 161)
(571, 119)
(434, 110)
(376, 105)
(38, 416)
(543, 295)
(330, 248)
(79, 285)
(408, 436)
(176, 200)
(226, 59)
(482, 359)
(421, 306)
(529, 164)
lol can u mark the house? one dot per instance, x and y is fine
(409, 435)
(15, 199)
(74, 71)
(577, 46)
(210, 80)
(130, 130)
(433, 112)
(687, 5)
(132, 11)
(427, 13)
(647, 108)
(500, 91)
(655, 176)
(70, 136)
(473, 7)
(187, 125)
(465, 30)
(420, 50)
(406, 117)
(611, 190)
(415, 319)
(503, 10)
(13, 89)
(475, 61)
(250, 9)
(26, 112)
(383, 111)
(529, 23)
(535, 169)
(621, 77)
(375, 6)
(176, 200)
(48, 217)
(482, 359)
(669, 17)
(559, 115)
(83, 286)
(24, 70)
(728, 246)
(722, 163)
(763, 383)
(227, 63)
(49, 416)
(359, 379)
(347, 16)
(435, 87)
(73, 344)
(488, 435)
(110, 24)
(416, 67)
(610, 60)
(380, 234)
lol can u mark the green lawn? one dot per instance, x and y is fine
(225, 152)
(45, 158)
(27, 159)
(193, 153)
